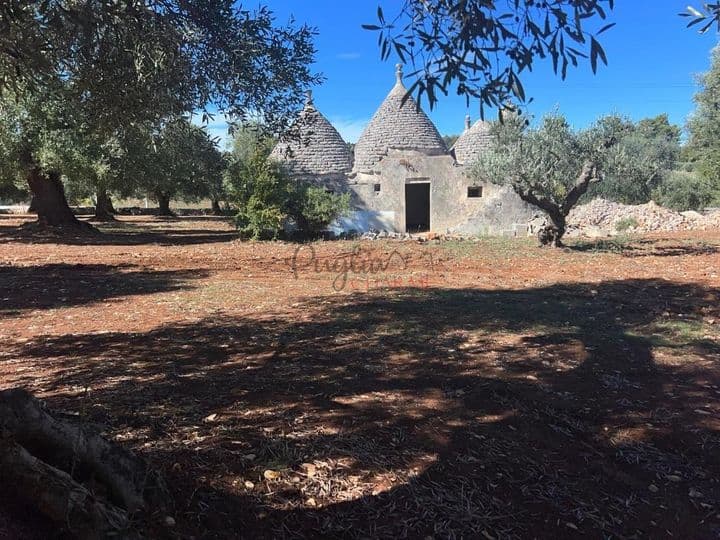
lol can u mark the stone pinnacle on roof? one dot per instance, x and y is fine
(473, 142)
(398, 124)
(317, 148)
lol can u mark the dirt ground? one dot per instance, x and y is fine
(382, 389)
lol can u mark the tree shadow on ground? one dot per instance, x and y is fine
(645, 247)
(126, 233)
(423, 412)
(50, 286)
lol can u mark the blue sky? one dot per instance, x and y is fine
(652, 62)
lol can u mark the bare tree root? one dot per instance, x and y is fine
(59, 497)
(36, 446)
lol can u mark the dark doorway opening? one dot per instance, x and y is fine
(417, 207)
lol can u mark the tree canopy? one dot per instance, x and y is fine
(706, 16)
(647, 153)
(550, 166)
(704, 126)
(170, 160)
(101, 68)
(483, 47)
(146, 59)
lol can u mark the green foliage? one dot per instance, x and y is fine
(644, 156)
(249, 139)
(250, 148)
(266, 198)
(11, 193)
(115, 72)
(261, 190)
(174, 159)
(552, 166)
(126, 60)
(317, 208)
(11, 134)
(706, 17)
(483, 47)
(625, 224)
(703, 148)
(659, 127)
(543, 164)
(53, 136)
(683, 190)
(545, 160)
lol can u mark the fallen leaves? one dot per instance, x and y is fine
(457, 418)
(309, 469)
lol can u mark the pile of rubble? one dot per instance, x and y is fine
(404, 237)
(381, 235)
(610, 217)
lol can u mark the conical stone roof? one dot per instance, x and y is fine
(473, 142)
(318, 148)
(397, 125)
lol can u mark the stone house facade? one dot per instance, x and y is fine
(402, 177)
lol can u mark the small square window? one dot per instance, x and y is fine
(474, 192)
(376, 188)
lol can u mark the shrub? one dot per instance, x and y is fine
(266, 197)
(626, 224)
(684, 190)
(261, 190)
(317, 208)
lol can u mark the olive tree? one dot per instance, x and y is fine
(174, 159)
(549, 166)
(41, 143)
(109, 64)
(654, 144)
(483, 47)
(706, 16)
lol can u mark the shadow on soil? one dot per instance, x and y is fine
(430, 413)
(645, 247)
(50, 286)
(127, 233)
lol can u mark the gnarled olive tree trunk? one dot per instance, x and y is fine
(82, 481)
(48, 199)
(551, 234)
(104, 210)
